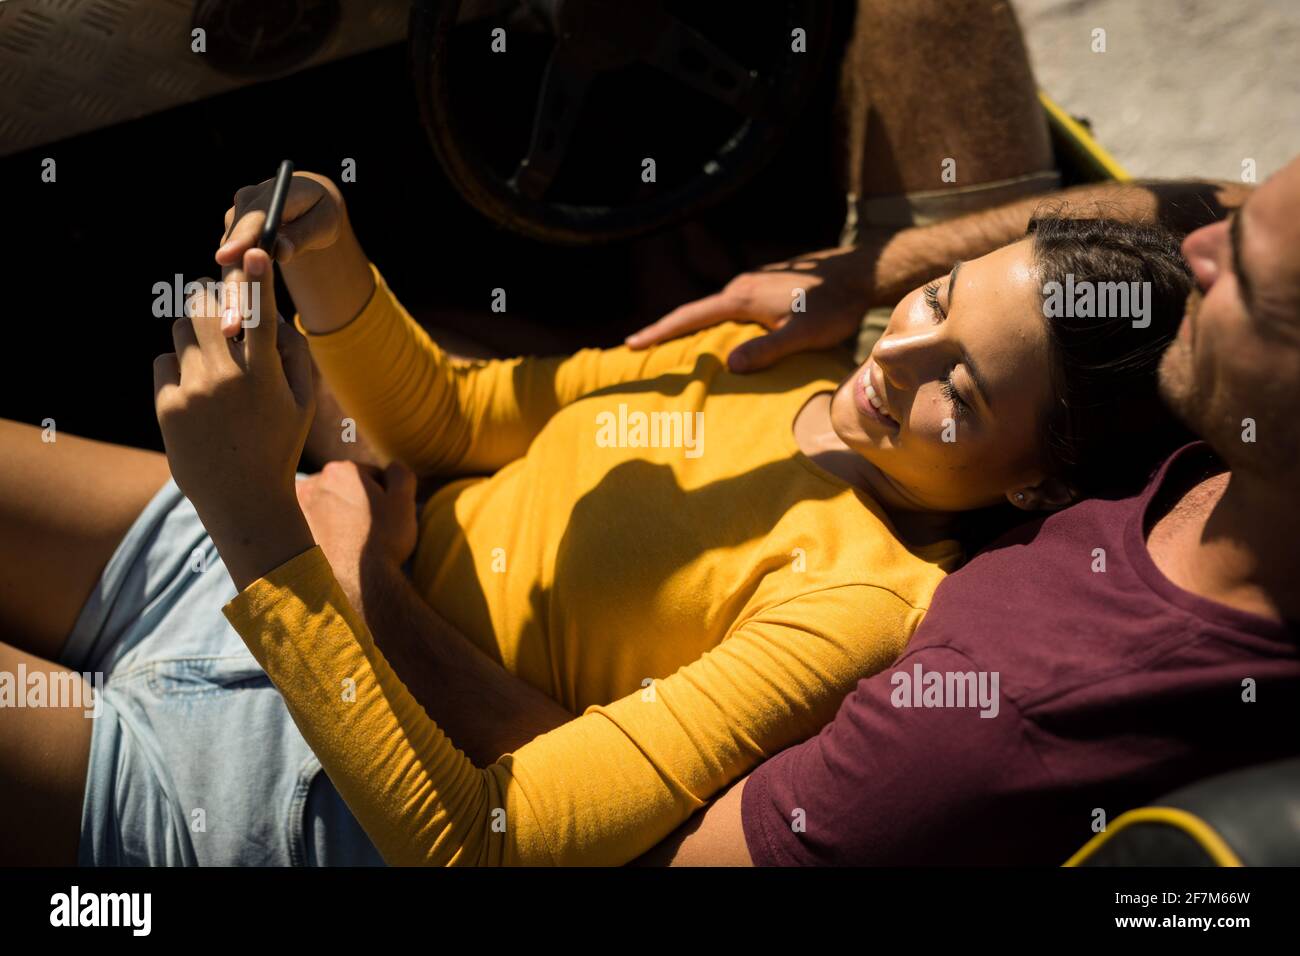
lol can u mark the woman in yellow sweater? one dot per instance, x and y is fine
(697, 567)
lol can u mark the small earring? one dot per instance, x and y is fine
(1020, 496)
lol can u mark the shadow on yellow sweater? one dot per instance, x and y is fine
(649, 547)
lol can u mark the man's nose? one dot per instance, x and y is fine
(1203, 249)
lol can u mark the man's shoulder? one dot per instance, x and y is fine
(1036, 563)
(1074, 601)
(1053, 603)
(1078, 562)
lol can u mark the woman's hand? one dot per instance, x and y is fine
(314, 215)
(359, 514)
(837, 286)
(234, 416)
(326, 270)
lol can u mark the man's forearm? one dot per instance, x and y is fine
(482, 708)
(914, 256)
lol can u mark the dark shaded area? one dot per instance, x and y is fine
(137, 203)
(717, 89)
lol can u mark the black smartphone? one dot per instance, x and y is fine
(278, 195)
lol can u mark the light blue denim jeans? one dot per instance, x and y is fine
(194, 759)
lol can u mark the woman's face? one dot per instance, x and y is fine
(949, 406)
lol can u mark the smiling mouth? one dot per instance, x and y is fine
(871, 400)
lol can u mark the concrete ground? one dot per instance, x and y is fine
(1184, 88)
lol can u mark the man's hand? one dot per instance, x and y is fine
(234, 416)
(355, 519)
(837, 287)
(842, 284)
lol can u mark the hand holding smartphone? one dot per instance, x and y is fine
(299, 219)
(271, 225)
(279, 193)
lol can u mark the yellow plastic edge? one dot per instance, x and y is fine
(1199, 830)
(1079, 135)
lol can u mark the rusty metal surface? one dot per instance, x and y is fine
(70, 66)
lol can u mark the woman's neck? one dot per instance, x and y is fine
(817, 439)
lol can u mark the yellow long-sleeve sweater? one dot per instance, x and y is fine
(702, 604)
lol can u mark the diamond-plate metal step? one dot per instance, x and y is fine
(70, 66)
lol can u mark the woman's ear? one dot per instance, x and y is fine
(1050, 494)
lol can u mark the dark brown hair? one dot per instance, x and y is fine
(1108, 429)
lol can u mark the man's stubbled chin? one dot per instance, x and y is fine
(1189, 314)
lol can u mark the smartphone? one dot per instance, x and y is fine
(278, 195)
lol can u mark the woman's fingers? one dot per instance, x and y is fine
(305, 231)
(204, 301)
(284, 249)
(262, 328)
(242, 237)
(200, 328)
(245, 219)
(297, 366)
(166, 378)
(238, 306)
(188, 354)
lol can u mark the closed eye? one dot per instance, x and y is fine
(959, 405)
(931, 293)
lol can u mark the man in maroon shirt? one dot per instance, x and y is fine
(1095, 660)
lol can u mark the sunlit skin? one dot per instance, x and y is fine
(988, 330)
(1237, 354)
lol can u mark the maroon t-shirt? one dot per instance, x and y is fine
(1114, 687)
